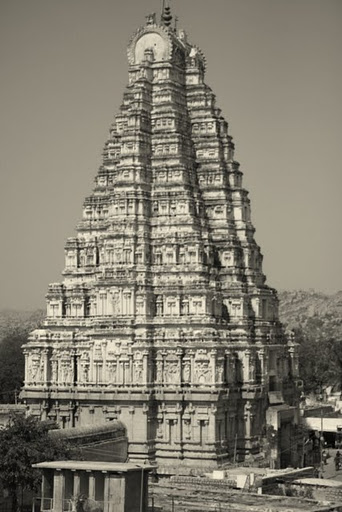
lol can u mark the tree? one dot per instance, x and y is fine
(12, 366)
(15, 327)
(320, 359)
(26, 441)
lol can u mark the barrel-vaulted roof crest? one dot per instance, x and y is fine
(149, 28)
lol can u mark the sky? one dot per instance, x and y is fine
(275, 67)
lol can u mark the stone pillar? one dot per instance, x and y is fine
(247, 419)
(91, 490)
(261, 354)
(179, 353)
(77, 483)
(104, 379)
(213, 366)
(106, 493)
(246, 365)
(229, 370)
(192, 365)
(211, 422)
(45, 356)
(145, 378)
(178, 421)
(26, 367)
(58, 490)
(130, 369)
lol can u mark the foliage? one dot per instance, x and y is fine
(12, 367)
(320, 362)
(317, 321)
(14, 329)
(19, 322)
(26, 441)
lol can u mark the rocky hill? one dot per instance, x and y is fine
(316, 314)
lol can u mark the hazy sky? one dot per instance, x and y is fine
(275, 66)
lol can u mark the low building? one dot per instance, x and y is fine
(92, 485)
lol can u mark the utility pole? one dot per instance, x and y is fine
(321, 440)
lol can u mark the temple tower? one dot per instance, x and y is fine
(163, 319)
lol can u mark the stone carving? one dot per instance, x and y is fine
(41, 372)
(34, 369)
(65, 372)
(169, 192)
(187, 428)
(219, 372)
(203, 374)
(160, 425)
(186, 372)
(171, 372)
(138, 372)
(54, 370)
(159, 371)
(112, 371)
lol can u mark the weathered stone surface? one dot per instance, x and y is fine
(163, 319)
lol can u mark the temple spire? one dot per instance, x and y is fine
(166, 16)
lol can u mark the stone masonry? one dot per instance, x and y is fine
(163, 319)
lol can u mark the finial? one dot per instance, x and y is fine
(166, 16)
(151, 19)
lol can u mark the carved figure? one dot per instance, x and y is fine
(138, 372)
(171, 372)
(187, 428)
(203, 372)
(33, 370)
(65, 372)
(219, 373)
(111, 371)
(54, 369)
(186, 372)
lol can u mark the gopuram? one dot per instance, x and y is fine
(163, 319)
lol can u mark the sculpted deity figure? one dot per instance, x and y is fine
(84, 374)
(171, 372)
(186, 372)
(54, 370)
(160, 428)
(34, 369)
(116, 301)
(65, 375)
(41, 377)
(187, 428)
(138, 372)
(219, 373)
(111, 372)
(203, 372)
